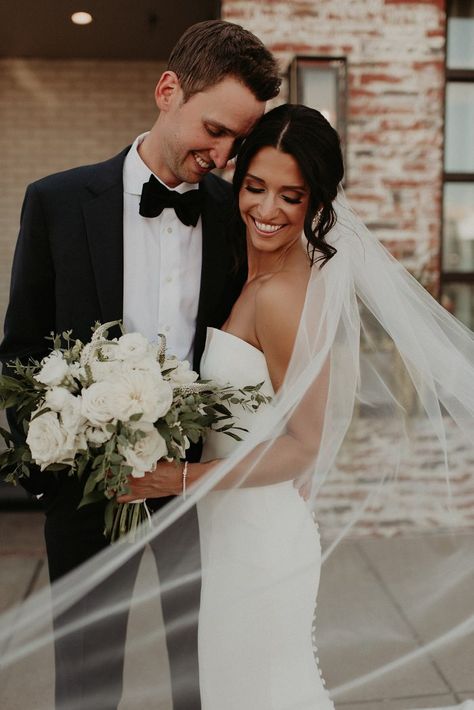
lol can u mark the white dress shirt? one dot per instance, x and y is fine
(162, 265)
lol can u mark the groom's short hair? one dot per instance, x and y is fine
(210, 51)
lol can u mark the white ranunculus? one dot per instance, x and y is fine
(54, 369)
(170, 363)
(148, 363)
(76, 370)
(148, 450)
(107, 350)
(49, 442)
(132, 346)
(99, 403)
(140, 392)
(183, 375)
(103, 370)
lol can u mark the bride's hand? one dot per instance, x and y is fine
(303, 486)
(164, 480)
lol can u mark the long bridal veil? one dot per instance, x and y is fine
(380, 396)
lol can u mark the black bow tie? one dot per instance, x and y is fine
(156, 196)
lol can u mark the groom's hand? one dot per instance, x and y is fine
(164, 480)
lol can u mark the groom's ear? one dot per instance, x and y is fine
(168, 90)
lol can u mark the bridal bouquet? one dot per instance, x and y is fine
(110, 409)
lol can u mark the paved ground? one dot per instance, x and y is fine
(358, 581)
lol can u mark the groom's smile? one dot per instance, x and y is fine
(204, 165)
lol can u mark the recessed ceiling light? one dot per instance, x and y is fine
(81, 18)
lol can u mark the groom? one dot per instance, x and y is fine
(141, 237)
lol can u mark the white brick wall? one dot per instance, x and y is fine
(56, 114)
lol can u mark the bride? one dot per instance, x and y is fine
(299, 328)
(245, 527)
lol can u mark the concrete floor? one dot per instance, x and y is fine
(361, 580)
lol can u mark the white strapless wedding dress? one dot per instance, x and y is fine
(261, 560)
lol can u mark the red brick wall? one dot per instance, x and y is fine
(395, 52)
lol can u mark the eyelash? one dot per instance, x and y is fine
(213, 133)
(257, 190)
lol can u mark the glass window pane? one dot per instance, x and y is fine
(319, 90)
(458, 227)
(321, 83)
(459, 148)
(458, 299)
(460, 43)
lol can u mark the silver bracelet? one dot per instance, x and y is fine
(184, 479)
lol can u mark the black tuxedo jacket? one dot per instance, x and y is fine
(68, 265)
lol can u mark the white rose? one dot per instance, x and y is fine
(97, 435)
(56, 397)
(54, 369)
(141, 392)
(132, 346)
(99, 403)
(49, 442)
(182, 374)
(68, 406)
(71, 415)
(149, 449)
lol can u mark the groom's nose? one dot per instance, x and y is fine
(222, 151)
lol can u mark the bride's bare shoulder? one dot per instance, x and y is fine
(278, 306)
(284, 291)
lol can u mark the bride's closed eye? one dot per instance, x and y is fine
(258, 190)
(255, 190)
(292, 200)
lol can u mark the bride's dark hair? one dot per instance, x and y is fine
(309, 138)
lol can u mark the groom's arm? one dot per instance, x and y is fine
(30, 314)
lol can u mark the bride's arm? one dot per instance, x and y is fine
(279, 306)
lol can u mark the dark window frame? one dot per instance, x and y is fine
(339, 64)
(446, 278)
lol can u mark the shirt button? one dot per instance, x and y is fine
(167, 328)
(170, 230)
(169, 279)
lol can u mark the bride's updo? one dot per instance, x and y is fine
(309, 138)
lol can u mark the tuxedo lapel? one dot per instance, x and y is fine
(215, 254)
(216, 259)
(103, 215)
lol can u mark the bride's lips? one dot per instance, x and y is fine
(266, 228)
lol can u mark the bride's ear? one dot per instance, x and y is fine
(168, 91)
